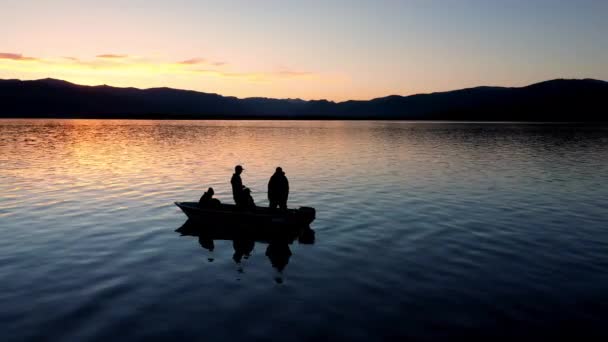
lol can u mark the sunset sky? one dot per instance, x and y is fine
(311, 49)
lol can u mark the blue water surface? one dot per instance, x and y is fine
(424, 231)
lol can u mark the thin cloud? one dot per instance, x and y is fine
(111, 55)
(16, 57)
(193, 61)
(114, 63)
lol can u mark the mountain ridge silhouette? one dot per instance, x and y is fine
(552, 100)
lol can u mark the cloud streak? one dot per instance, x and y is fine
(192, 61)
(113, 65)
(16, 57)
(198, 60)
(111, 55)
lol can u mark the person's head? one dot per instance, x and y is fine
(247, 191)
(210, 191)
(279, 170)
(238, 169)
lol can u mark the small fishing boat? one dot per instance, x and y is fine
(229, 214)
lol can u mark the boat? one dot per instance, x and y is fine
(230, 214)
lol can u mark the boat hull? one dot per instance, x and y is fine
(228, 214)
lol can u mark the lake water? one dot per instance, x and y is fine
(423, 230)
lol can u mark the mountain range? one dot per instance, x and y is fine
(554, 100)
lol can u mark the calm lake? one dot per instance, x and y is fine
(423, 230)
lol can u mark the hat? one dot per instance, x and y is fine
(238, 167)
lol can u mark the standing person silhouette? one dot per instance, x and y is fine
(237, 185)
(278, 189)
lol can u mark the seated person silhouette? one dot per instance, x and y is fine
(246, 201)
(208, 201)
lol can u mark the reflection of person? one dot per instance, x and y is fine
(242, 248)
(237, 184)
(207, 199)
(278, 189)
(278, 253)
(207, 244)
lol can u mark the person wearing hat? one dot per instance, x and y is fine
(237, 184)
(278, 189)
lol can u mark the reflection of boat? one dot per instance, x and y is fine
(245, 236)
(230, 214)
(270, 233)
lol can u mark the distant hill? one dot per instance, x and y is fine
(555, 100)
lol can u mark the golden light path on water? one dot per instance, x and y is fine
(107, 150)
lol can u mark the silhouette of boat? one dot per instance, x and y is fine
(229, 214)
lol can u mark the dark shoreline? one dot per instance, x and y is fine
(246, 118)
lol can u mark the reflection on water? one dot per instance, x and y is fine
(424, 231)
(244, 240)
